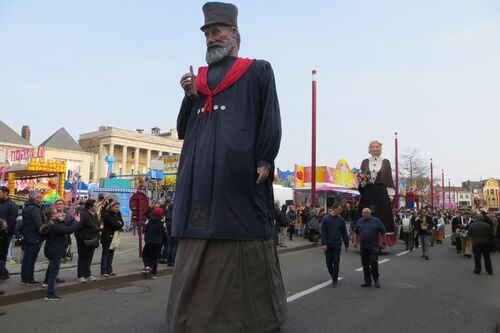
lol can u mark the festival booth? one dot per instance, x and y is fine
(332, 184)
(48, 176)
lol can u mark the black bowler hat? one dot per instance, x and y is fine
(220, 13)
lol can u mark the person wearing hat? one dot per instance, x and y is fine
(465, 239)
(227, 276)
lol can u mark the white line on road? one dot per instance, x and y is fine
(126, 251)
(402, 253)
(380, 262)
(310, 290)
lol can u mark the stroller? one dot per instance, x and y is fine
(69, 254)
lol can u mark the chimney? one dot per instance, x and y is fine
(26, 133)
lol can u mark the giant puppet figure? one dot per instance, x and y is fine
(227, 276)
(375, 187)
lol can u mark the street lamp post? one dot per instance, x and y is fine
(432, 186)
(442, 184)
(313, 155)
(397, 169)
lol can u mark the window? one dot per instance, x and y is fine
(461, 196)
(2, 155)
(91, 172)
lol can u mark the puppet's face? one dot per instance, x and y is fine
(375, 149)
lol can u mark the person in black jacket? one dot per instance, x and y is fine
(112, 222)
(87, 240)
(482, 240)
(153, 232)
(172, 241)
(55, 246)
(4, 245)
(424, 225)
(9, 213)
(33, 219)
(333, 233)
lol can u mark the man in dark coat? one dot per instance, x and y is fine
(33, 219)
(333, 233)
(369, 229)
(227, 276)
(482, 240)
(8, 212)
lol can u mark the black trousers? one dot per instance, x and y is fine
(85, 255)
(369, 260)
(484, 250)
(332, 255)
(150, 255)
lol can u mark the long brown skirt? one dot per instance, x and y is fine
(226, 286)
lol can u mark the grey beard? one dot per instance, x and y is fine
(217, 51)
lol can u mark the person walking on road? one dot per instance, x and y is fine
(481, 234)
(370, 229)
(333, 233)
(424, 225)
(464, 238)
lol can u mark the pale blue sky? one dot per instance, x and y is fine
(427, 69)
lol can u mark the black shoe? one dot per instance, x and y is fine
(377, 284)
(427, 258)
(162, 261)
(490, 273)
(366, 285)
(476, 272)
(2, 292)
(52, 298)
(3, 313)
(33, 283)
(58, 280)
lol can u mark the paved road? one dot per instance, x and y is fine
(439, 295)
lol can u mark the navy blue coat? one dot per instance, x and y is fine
(57, 242)
(9, 212)
(33, 219)
(216, 192)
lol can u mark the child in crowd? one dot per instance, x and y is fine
(153, 230)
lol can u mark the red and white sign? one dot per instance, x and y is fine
(27, 153)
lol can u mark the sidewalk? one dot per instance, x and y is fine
(126, 264)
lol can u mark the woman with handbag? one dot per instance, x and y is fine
(112, 223)
(87, 240)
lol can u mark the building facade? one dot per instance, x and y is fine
(491, 195)
(133, 150)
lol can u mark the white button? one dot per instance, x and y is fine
(199, 111)
(223, 107)
(216, 107)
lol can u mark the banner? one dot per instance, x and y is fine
(285, 178)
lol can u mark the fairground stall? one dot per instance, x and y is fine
(46, 176)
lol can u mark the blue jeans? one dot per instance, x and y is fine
(107, 259)
(29, 259)
(51, 276)
(332, 255)
(10, 254)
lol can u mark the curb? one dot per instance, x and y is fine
(107, 283)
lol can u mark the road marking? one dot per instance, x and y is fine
(310, 290)
(380, 262)
(126, 251)
(402, 253)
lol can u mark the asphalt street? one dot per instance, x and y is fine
(439, 295)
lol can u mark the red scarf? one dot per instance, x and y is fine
(239, 68)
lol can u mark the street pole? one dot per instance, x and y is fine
(449, 191)
(313, 157)
(432, 186)
(397, 169)
(442, 184)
